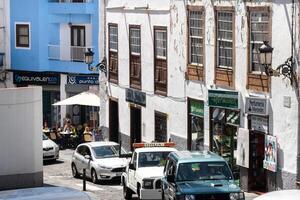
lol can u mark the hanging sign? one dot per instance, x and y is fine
(243, 148)
(270, 161)
(259, 123)
(223, 99)
(197, 108)
(135, 96)
(257, 106)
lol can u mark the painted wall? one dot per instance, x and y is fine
(284, 121)
(49, 26)
(4, 32)
(21, 141)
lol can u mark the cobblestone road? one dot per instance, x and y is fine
(59, 174)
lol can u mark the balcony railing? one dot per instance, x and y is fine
(70, 1)
(67, 53)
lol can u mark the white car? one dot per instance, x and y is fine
(100, 159)
(145, 170)
(44, 193)
(50, 149)
(280, 195)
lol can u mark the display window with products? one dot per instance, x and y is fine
(195, 125)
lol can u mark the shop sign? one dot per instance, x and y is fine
(36, 78)
(135, 96)
(259, 123)
(83, 80)
(243, 148)
(197, 108)
(256, 106)
(270, 161)
(223, 99)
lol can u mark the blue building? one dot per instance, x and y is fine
(48, 42)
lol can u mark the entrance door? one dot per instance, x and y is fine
(135, 125)
(113, 121)
(257, 173)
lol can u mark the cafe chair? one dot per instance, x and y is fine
(53, 136)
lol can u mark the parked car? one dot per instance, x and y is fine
(100, 159)
(144, 172)
(198, 175)
(44, 193)
(280, 195)
(50, 149)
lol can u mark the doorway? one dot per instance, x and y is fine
(135, 125)
(257, 173)
(113, 121)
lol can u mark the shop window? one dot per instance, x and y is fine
(160, 63)
(224, 126)
(196, 125)
(113, 52)
(160, 127)
(135, 56)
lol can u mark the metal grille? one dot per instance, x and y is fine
(113, 38)
(196, 36)
(135, 41)
(161, 43)
(119, 169)
(259, 32)
(225, 39)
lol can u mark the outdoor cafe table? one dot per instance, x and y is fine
(67, 138)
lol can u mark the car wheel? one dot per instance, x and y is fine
(127, 193)
(74, 171)
(94, 177)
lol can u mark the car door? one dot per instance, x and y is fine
(131, 172)
(169, 186)
(78, 157)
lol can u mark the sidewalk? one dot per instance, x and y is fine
(250, 196)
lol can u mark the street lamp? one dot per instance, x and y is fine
(286, 69)
(89, 57)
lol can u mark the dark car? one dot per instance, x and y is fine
(198, 176)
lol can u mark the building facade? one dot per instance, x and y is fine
(48, 42)
(4, 37)
(189, 72)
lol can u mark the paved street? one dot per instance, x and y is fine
(59, 174)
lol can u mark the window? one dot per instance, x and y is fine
(160, 127)
(196, 37)
(22, 36)
(78, 43)
(259, 32)
(160, 55)
(113, 52)
(225, 39)
(135, 56)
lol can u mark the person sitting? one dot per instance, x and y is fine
(87, 135)
(46, 129)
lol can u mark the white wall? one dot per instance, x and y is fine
(21, 128)
(5, 32)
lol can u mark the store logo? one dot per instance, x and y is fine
(18, 79)
(72, 80)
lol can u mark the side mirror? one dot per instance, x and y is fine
(131, 166)
(170, 178)
(88, 157)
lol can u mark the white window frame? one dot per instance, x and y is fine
(138, 46)
(29, 35)
(110, 37)
(164, 48)
(224, 40)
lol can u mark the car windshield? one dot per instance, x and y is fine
(45, 137)
(152, 159)
(203, 171)
(107, 151)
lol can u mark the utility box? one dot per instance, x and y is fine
(21, 152)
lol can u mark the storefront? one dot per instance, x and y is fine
(195, 125)
(50, 83)
(82, 115)
(258, 124)
(224, 123)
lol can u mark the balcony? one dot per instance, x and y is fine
(67, 53)
(71, 6)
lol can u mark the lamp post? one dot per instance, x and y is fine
(286, 69)
(101, 68)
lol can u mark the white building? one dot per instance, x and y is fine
(189, 71)
(4, 38)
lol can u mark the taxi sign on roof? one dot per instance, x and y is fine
(154, 144)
